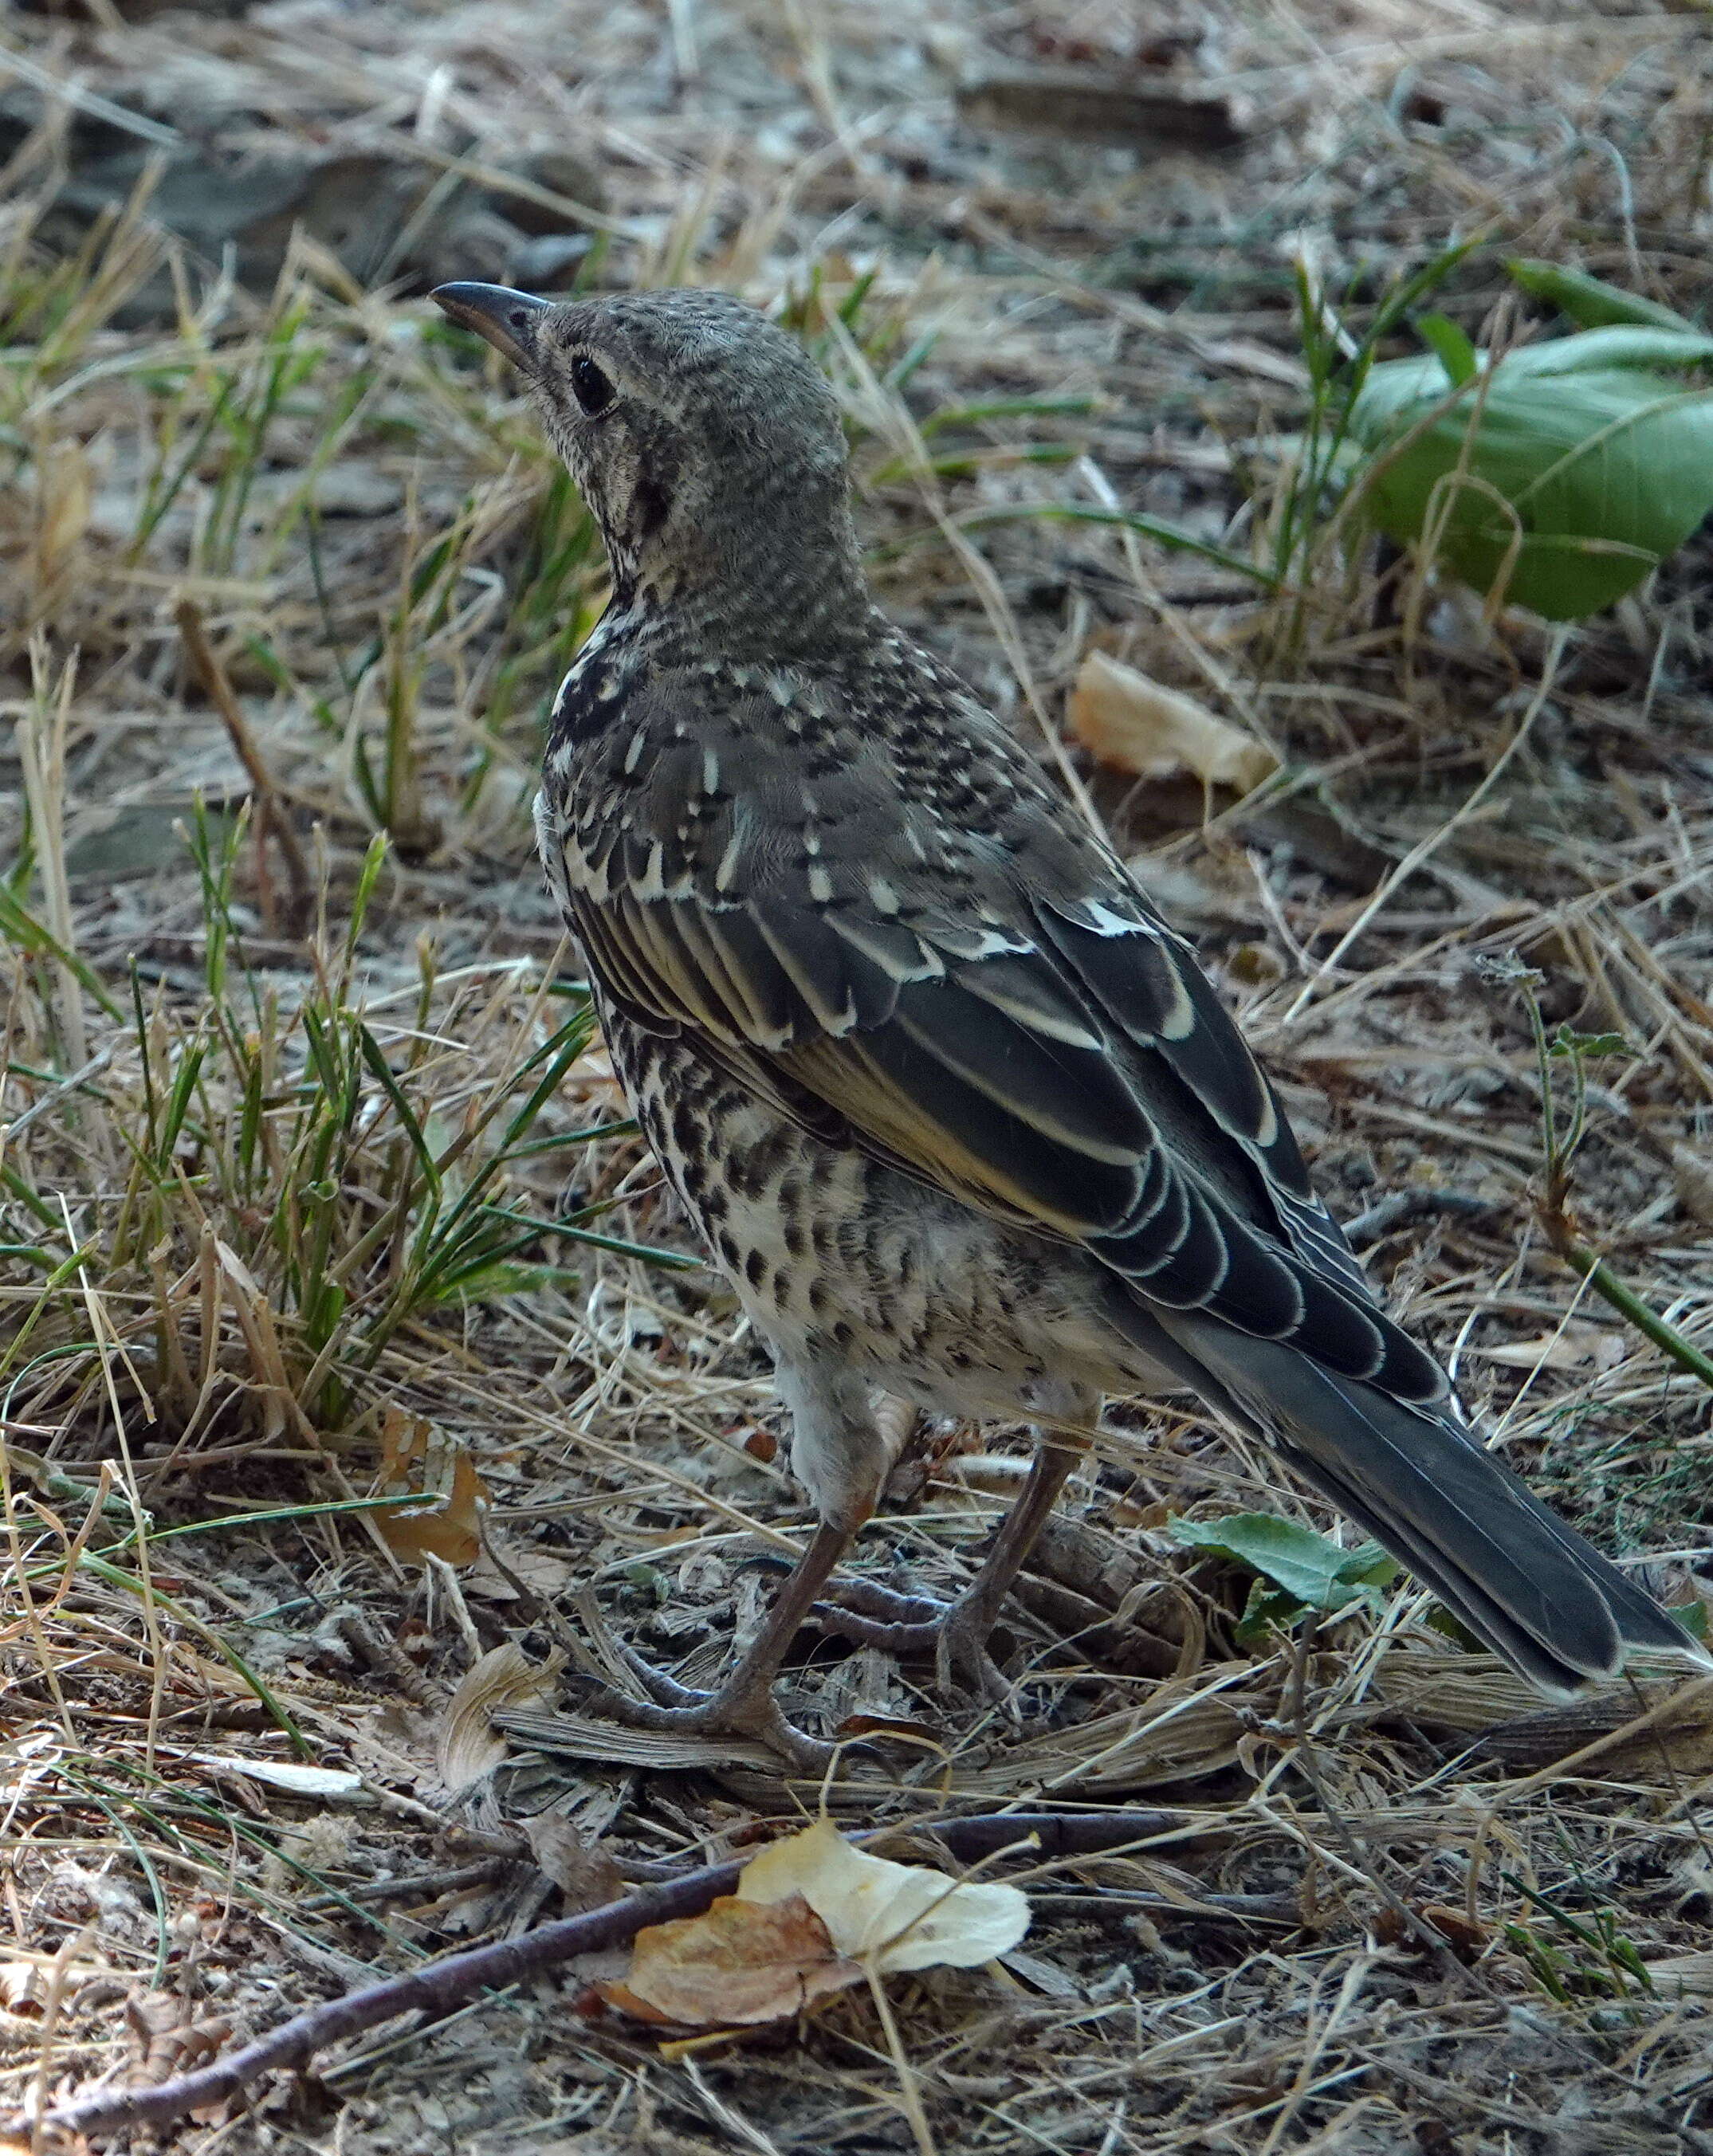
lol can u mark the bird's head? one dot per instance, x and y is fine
(705, 441)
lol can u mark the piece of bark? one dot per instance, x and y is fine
(1089, 108)
(1673, 1730)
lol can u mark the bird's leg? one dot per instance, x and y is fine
(956, 1633)
(841, 1448)
(743, 1704)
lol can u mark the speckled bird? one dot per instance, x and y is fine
(956, 1111)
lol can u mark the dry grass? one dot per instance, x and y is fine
(315, 1187)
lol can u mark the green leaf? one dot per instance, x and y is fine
(1567, 1041)
(1453, 350)
(18, 926)
(495, 1281)
(1268, 1609)
(1314, 1571)
(1565, 472)
(380, 1069)
(1622, 345)
(1587, 299)
(1440, 1619)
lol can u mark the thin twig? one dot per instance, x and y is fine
(440, 1986)
(81, 99)
(1426, 848)
(420, 1887)
(1398, 1206)
(272, 814)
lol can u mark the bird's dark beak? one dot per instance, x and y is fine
(508, 320)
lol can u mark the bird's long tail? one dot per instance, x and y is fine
(1522, 1580)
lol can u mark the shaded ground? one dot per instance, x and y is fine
(295, 1231)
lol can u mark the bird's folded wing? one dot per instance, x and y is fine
(1015, 1025)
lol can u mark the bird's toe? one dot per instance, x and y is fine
(732, 1711)
(955, 1634)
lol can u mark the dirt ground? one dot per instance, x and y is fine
(316, 1187)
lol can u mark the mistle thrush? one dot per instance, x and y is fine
(955, 1109)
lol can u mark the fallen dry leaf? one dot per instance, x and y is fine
(1573, 1347)
(1693, 1173)
(587, 1877)
(168, 2037)
(743, 1962)
(1087, 106)
(1125, 720)
(417, 1461)
(469, 1747)
(65, 493)
(545, 1573)
(893, 1916)
(811, 1916)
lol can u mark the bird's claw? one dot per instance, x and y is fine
(741, 1709)
(955, 1633)
(742, 1704)
(654, 1687)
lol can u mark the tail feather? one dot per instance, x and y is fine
(1469, 1601)
(1522, 1580)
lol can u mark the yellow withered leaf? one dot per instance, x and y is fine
(892, 1916)
(421, 1462)
(1132, 724)
(812, 1914)
(741, 1962)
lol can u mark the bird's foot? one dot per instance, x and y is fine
(743, 1705)
(955, 1633)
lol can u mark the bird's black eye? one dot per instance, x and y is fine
(590, 387)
